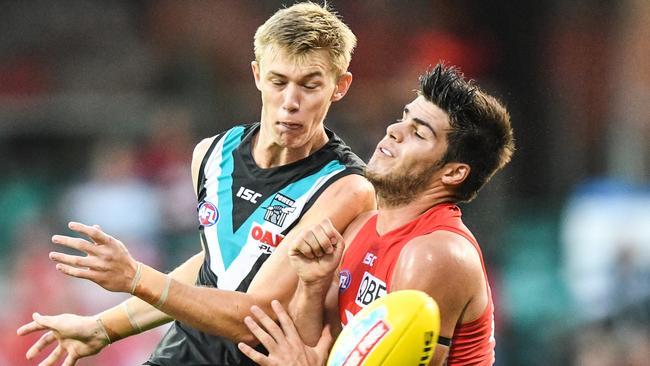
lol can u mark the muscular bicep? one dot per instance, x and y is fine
(441, 265)
(342, 202)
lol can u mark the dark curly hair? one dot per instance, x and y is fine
(480, 136)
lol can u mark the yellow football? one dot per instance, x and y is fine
(400, 328)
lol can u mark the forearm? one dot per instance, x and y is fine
(210, 310)
(307, 309)
(135, 316)
(332, 309)
(439, 355)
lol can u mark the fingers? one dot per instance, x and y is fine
(74, 243)
(268, 323)
(285, 320)
(318, 240)
(69, 360)
(307, 244)
(48, 322)
(338, 249)
(267, 341)
(251, 353)
(323, 346)
(338, 244)
(325, 341)
(53, 357)
(93, 232)
(76, 272)
(30, 328)
(323, 244)
(42, 343)
(72, 260)
(334, 236)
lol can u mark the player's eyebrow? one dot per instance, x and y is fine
(313, 74)
(421, 122)
(277, 74)
(308, 76)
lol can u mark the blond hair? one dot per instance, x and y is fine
(303, 28)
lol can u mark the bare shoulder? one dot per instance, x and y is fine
(446, 266)
(439, 258)
(201, 149)
(197, 157)
(353, 187)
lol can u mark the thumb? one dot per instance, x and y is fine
(43, 320)
(324, 343)
(339, 247)
(338, 238)
(335, 237)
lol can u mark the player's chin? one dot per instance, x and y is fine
(292, 141)
(378, 168)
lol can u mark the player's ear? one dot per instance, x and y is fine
(455, 173)
(255, 67)
(342, 85)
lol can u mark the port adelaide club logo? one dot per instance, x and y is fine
(278, 210)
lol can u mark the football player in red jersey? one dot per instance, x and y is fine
(449, 142)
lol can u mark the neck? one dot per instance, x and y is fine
(268, 153)
(390, 217)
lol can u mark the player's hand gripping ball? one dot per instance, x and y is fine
(400, 328)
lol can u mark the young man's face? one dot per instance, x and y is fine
(409, 156)
(296, 96)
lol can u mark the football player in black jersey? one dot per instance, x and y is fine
(301, 58)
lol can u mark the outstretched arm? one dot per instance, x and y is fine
(214, 311)
(81, 336)
(135, 316)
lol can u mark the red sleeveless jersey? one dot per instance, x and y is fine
(367, 270)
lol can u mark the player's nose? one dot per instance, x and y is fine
(291, 98)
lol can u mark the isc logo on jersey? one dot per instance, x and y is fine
(266, 239)
(248, 194)
(371, 289)
(369, 259)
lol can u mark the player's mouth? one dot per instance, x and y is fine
(292, 126)
(385, 151)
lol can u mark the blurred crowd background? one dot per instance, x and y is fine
(101, 103)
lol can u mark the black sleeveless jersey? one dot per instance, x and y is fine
(244, 212)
